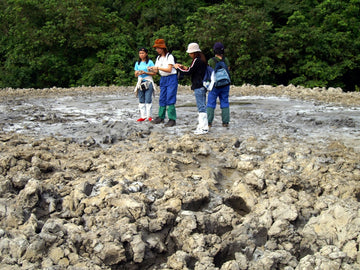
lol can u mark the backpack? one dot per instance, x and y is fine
(209, 78)
(222, 76)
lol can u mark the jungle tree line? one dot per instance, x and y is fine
(86, 42)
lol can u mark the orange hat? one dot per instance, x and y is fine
(160, 43)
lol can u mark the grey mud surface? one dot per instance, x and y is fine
(110, 116)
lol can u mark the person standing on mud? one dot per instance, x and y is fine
(221, 92)
(168, 83)
(197, 71)
(145, 86)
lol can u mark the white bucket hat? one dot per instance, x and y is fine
(193, 47)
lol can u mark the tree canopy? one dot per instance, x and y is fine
(85, 42)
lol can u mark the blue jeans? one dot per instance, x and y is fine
(146, 96)
(222, 93)
(200, 96)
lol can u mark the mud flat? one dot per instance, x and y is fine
(83, 186)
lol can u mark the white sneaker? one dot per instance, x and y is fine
(200, 131)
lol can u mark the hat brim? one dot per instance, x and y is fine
(193, 51)
(161, 46)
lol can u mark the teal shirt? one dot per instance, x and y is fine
(143, 66)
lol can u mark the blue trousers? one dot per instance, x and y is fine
(168, 90)
(222, 93)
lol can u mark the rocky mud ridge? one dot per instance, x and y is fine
(146, 197)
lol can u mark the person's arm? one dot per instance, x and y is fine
(148, 71)
(227, 62)
(136, 72)
(141, 72)
(190, 69)
(168, 69)
(151, 73)
(180, 67)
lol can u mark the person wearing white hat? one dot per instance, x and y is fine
(197, 71)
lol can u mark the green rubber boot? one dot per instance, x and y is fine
(210, 115)
(225, 115)
(171, 111)
(161, 117)
(162, 112)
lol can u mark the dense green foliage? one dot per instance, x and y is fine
(86, 42)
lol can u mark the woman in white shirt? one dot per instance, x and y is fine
(168, 83)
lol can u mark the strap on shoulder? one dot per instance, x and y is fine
(217, 59)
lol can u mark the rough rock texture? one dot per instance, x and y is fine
(154, 201)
